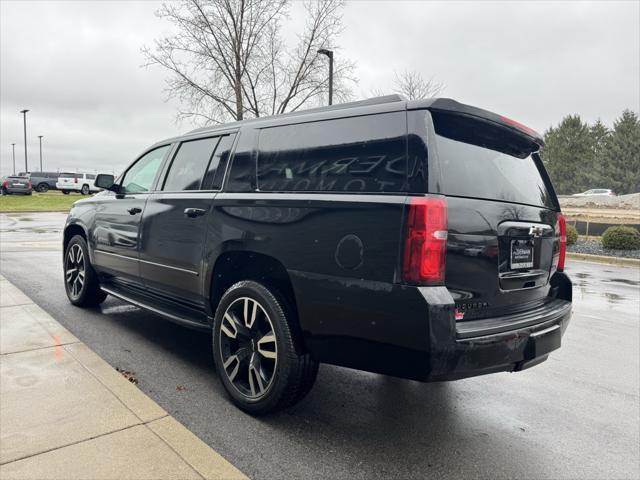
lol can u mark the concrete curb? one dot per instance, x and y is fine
(62, 407)
(620, 261)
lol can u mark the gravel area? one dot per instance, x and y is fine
(594, 247)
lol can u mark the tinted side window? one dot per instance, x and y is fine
(139, 178)
(213, 177)
(359, 154)
(90, 176)
(189, 165)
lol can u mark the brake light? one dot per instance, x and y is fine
(5, 184)
(528, 130)
(75, 179)
(426, 241)
(562, 226)
(29, 184)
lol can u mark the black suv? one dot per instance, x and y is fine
(420, 239)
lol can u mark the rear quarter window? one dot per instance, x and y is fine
(479, 159)
(356, 154)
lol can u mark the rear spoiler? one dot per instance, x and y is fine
(451, 106)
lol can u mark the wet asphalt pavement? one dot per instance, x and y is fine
(575, 416)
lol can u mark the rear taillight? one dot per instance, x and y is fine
(562, 230)
(425, 246)
(5, 184)
(29, 184)
(75, 179)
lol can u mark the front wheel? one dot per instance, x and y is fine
(85, 190)
(255, 351)
(80, 279)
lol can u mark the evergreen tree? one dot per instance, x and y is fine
(600, 136)
(569, 156)
(622, 155)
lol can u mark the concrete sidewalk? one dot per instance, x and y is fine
(67, 414)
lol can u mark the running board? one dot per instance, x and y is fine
(172, 314)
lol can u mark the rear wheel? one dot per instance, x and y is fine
(65, 192)
(80, 279)
(42, 188)
(255, 352)
(85, 190)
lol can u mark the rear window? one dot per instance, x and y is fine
(480, 159)
(68, 175)
(357, 154)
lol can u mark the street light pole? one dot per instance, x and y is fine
(40, 137)
(13, 146)
(24, 115)
(329, 53)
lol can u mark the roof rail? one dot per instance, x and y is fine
(339, 106)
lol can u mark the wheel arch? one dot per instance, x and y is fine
(71, 231)
(236, 265)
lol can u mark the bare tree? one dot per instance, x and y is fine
(228, 61)
(413, 86)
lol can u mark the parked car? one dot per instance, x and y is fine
(76, 182)
(16, 184)
(594, 192)
(420, 239)
(42, 181)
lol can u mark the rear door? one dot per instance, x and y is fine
(116, 232)
(175, 220)
(90, 178)
(502, 214)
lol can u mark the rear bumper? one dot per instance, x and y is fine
(510, 343)
(411, 332)
(511, 350)
(14, 190)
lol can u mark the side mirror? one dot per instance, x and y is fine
(105, 181)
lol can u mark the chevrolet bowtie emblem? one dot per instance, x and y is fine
(536, 231)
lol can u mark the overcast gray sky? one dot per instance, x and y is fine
(76, 66)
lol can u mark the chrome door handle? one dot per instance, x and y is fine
(134, 210)
(194, 212)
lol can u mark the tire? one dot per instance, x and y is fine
(42, 188)
(264, 376)
(80, 279)
(65, 192)
(85, 189)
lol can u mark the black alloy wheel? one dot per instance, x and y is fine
(258, 351)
